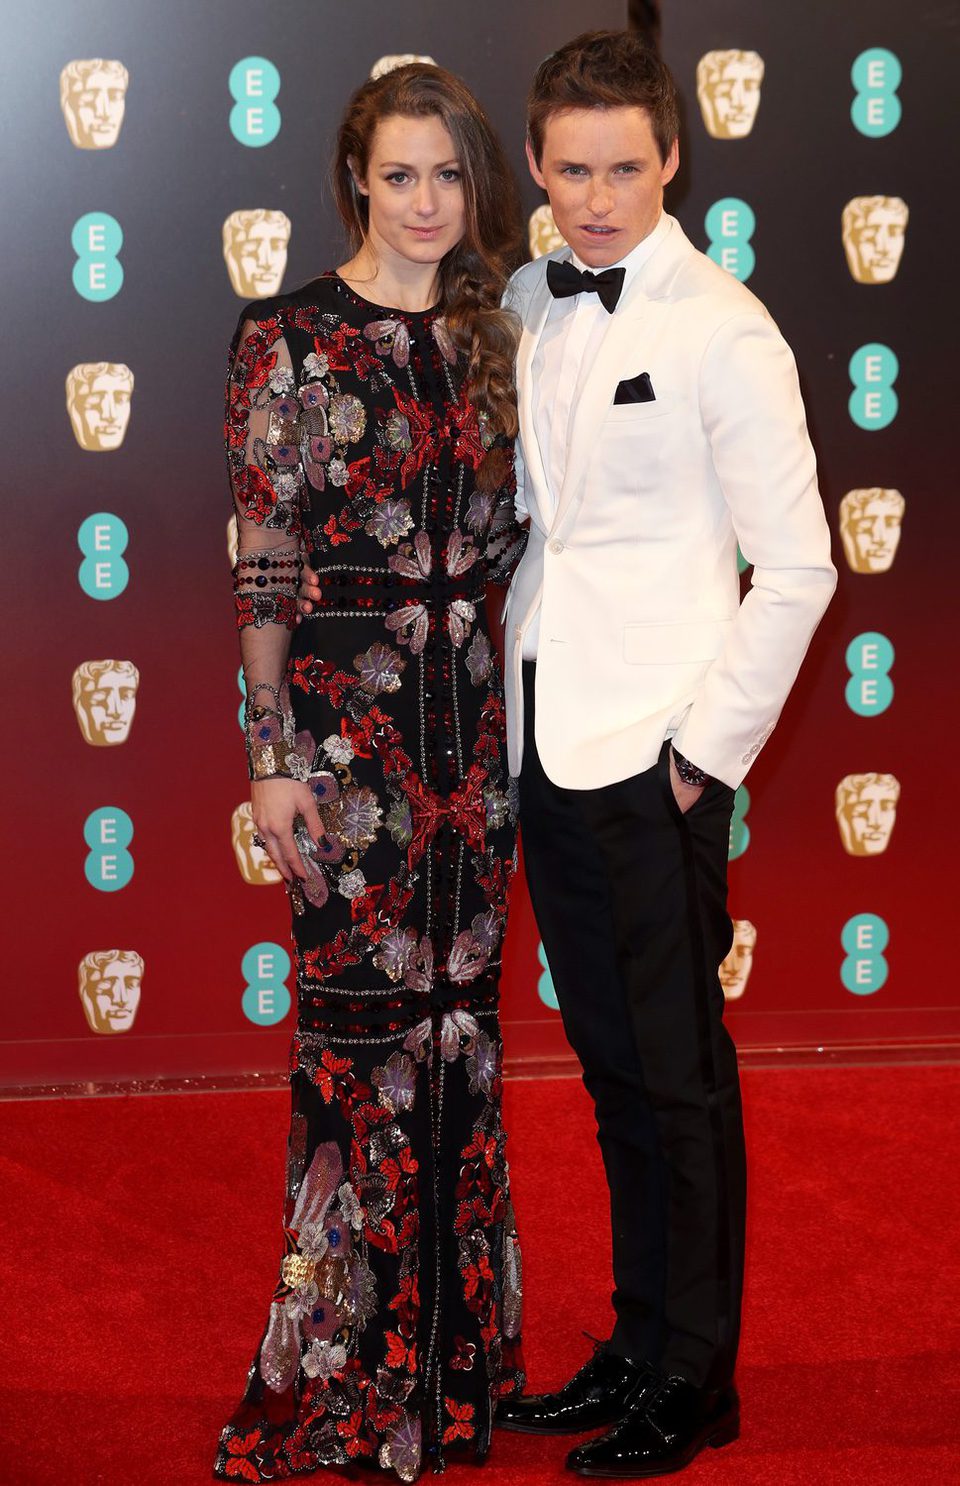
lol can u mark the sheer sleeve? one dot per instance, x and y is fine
(267, 482)
(506, 538)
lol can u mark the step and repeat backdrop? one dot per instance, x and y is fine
(159, 168)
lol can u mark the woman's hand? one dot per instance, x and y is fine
(274, 804)
(308, 593)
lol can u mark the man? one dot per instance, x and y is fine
(660, 420)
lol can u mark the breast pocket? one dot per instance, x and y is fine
(631, 417)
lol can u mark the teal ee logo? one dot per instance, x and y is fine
(97, 239)
(864, 937)
(739, 830)
(266, 999)
(545, 986)
(103, 539)
(869, 659)
(876, 77)
(873, 371)
(109, 865)
(730, 224)
(254, 118)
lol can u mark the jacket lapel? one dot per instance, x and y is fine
(599, 381)
(534, 320)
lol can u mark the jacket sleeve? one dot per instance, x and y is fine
(754, 420)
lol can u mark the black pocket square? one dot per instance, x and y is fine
(635, 389)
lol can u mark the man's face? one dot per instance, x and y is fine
(111, 997)
(735, 969)
(100, 412)
(871, 530)
(874, 239)
(729, 92)
(110, 702)
(602, 171)
(866, 814)
(93, 108)
(257, 256)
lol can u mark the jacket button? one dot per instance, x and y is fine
(556, 546)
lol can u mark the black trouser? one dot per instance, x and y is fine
(630, 899)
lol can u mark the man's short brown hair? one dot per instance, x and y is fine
(604, 69)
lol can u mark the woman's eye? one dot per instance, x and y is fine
(397, 177)
(450, 175)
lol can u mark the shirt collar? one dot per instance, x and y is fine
(638, 256)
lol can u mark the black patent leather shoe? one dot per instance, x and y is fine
(602, 1391)
(662, 1432)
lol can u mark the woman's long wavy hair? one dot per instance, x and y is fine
(474, 273)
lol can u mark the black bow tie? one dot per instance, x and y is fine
(565, 279)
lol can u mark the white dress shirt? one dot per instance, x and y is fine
(571, 337)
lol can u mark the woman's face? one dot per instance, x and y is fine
(415, 190)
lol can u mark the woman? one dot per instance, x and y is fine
(369, 419)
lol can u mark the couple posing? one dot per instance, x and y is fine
(396, 420)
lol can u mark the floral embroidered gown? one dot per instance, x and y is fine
(395, 1323)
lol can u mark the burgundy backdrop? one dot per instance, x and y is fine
(799, 124)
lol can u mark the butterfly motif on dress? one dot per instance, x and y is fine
(444, 340)
(391, 338)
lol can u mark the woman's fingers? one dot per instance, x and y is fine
(311, 816)
(272, 847)
(291, 855)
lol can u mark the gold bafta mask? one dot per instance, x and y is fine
(93, 96)
(110, 981)
(543, 233)
(870, 522)
(874, 232)
(735, 970)
(98, 402)
(401, 59)
(255, 866)
(728, 87)
(233, 540)
(105, 699)
(867, 812)
(255, 251)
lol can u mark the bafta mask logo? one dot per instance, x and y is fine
(874, 232)
(105, 699)
(99, 394)
(255, 251)
(401, 59)
(728, 87)
(735, 969)
(867, 812)
(255, 866)
(870, 522)
(93, 96)
(543, 232)
(110, 981)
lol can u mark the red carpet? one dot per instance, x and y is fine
(139, 1240)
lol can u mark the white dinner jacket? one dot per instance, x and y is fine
(642, 632)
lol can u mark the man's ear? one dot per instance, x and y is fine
(672, 163)
(358, 179)
(535, 170)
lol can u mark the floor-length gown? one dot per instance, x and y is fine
(395, 1323)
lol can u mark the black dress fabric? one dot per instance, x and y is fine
(395, 1323)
